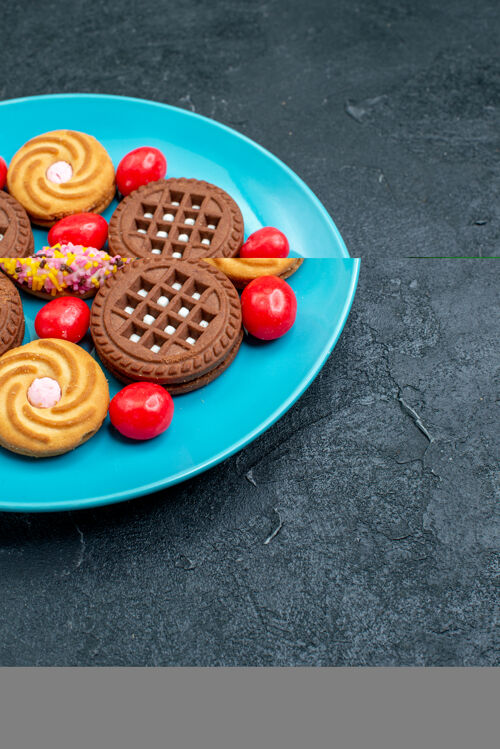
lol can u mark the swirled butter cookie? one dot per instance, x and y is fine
(243, 270)
(11, 316)
(53, 397)
(173, 322)
(180, 218)
(60, 173)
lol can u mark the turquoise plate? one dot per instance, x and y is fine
(265, 379)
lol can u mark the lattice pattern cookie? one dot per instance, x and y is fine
(11, 316)
(174, 322)
(179, 218)
(16, 237)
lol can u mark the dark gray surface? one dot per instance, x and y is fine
(381, 479)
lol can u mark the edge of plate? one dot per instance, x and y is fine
(213, 123)
(107, 499)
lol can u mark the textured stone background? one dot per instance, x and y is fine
(382, 481)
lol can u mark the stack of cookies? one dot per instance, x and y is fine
(173, 322)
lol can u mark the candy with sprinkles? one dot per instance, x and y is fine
(62, 270)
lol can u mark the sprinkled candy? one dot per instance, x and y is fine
(63, 269)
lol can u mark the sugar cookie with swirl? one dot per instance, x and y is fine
(53, 397)
(242, 270)
(60, 173)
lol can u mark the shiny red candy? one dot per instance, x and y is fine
(87, 229)
(141, 411)
(3, 173)
(143, 165)
(66, 317)
(266, 242)
(269, 307)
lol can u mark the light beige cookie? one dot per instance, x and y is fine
(53, 397)
(241, 270)
(61, 173)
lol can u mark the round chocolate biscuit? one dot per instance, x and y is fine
(180, 218)
(174, 322)
(11, 316)
(16, 237)
(199, 382)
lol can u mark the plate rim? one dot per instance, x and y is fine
(315, 368)
(194, 115)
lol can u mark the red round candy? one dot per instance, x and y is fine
(3, 173)
(268, 307)
(266, 242)
(87, 229)
(142, 410)
(66, 317)
(140, 166)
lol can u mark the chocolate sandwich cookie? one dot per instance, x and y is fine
(243, 270)
(61, 173)
(173, 322)
(16, 237)
(11, 316)
(180, 218)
